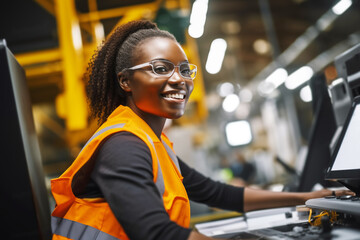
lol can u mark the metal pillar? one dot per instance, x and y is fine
(72, 103)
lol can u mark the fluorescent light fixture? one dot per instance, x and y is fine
(245, 95)
(216, 56)
(305, 94)
(238, 133)
(225, 89)
(99, 32)
(198, 12)
(273, 81)
(278, 77)
(341, 6)
(195, 31)
(299, 77)
(198, 18)
(230, 103)
(265, 88)
(261, 46)
(76, 36)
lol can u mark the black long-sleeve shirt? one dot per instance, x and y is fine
(123, 176)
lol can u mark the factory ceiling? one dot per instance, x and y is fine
(261, 34)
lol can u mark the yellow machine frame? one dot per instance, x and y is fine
(65, 65)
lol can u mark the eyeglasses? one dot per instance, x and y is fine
(164, 68)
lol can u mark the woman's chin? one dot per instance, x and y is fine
(175, 115)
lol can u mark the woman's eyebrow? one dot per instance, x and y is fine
(160, 59)
(184, 61)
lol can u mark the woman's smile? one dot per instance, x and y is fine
(177, 96)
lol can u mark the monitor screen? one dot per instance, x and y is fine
(348, 154)
(24, 199)
(345, 159)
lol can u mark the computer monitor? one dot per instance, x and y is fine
(345, 164)
(347, 85)
(322, 130)
(24, 201)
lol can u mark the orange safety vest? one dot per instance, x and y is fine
(76, 218)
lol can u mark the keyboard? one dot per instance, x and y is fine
(301, 231)
(344, 204)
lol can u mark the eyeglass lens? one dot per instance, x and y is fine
(186, 70)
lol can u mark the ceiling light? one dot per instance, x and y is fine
(231, 27)
(198, 18)
(76, 36)
(341, 6)
(216, 56)
(99, 32)
(245, 95)
(278, 77)
(265, 88)
(225, 89)
(299, 77)
(305, 94)
(230, 103)
(261, 46)
(195, 31)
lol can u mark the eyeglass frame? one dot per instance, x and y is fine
(139, 66)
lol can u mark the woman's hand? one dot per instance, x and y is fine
(255, 199)
(327, 192)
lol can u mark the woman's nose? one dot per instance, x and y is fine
(176, 77)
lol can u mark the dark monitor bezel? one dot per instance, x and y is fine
(322, 129)
(341, 175)
(25, 204)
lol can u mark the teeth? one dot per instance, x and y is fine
(175, 95)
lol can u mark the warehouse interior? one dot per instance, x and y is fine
(53, 40)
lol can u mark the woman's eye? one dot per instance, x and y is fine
(161, 69)
(186, 72)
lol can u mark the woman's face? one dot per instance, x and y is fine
(152, 95)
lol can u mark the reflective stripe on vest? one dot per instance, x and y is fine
(160, 185)
(75, 230)
(172, 155)
(101, 131)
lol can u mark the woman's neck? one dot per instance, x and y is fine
(156, 123)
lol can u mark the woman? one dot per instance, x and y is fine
(127, 182)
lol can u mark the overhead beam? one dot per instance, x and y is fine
(37, 57)
(117, 12)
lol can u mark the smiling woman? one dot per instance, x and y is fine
(127, 182)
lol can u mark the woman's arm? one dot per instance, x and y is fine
(212, 193)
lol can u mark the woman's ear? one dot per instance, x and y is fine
(124, 82)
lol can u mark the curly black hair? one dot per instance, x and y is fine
(116, 53)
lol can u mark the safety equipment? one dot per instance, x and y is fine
(76, 218)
